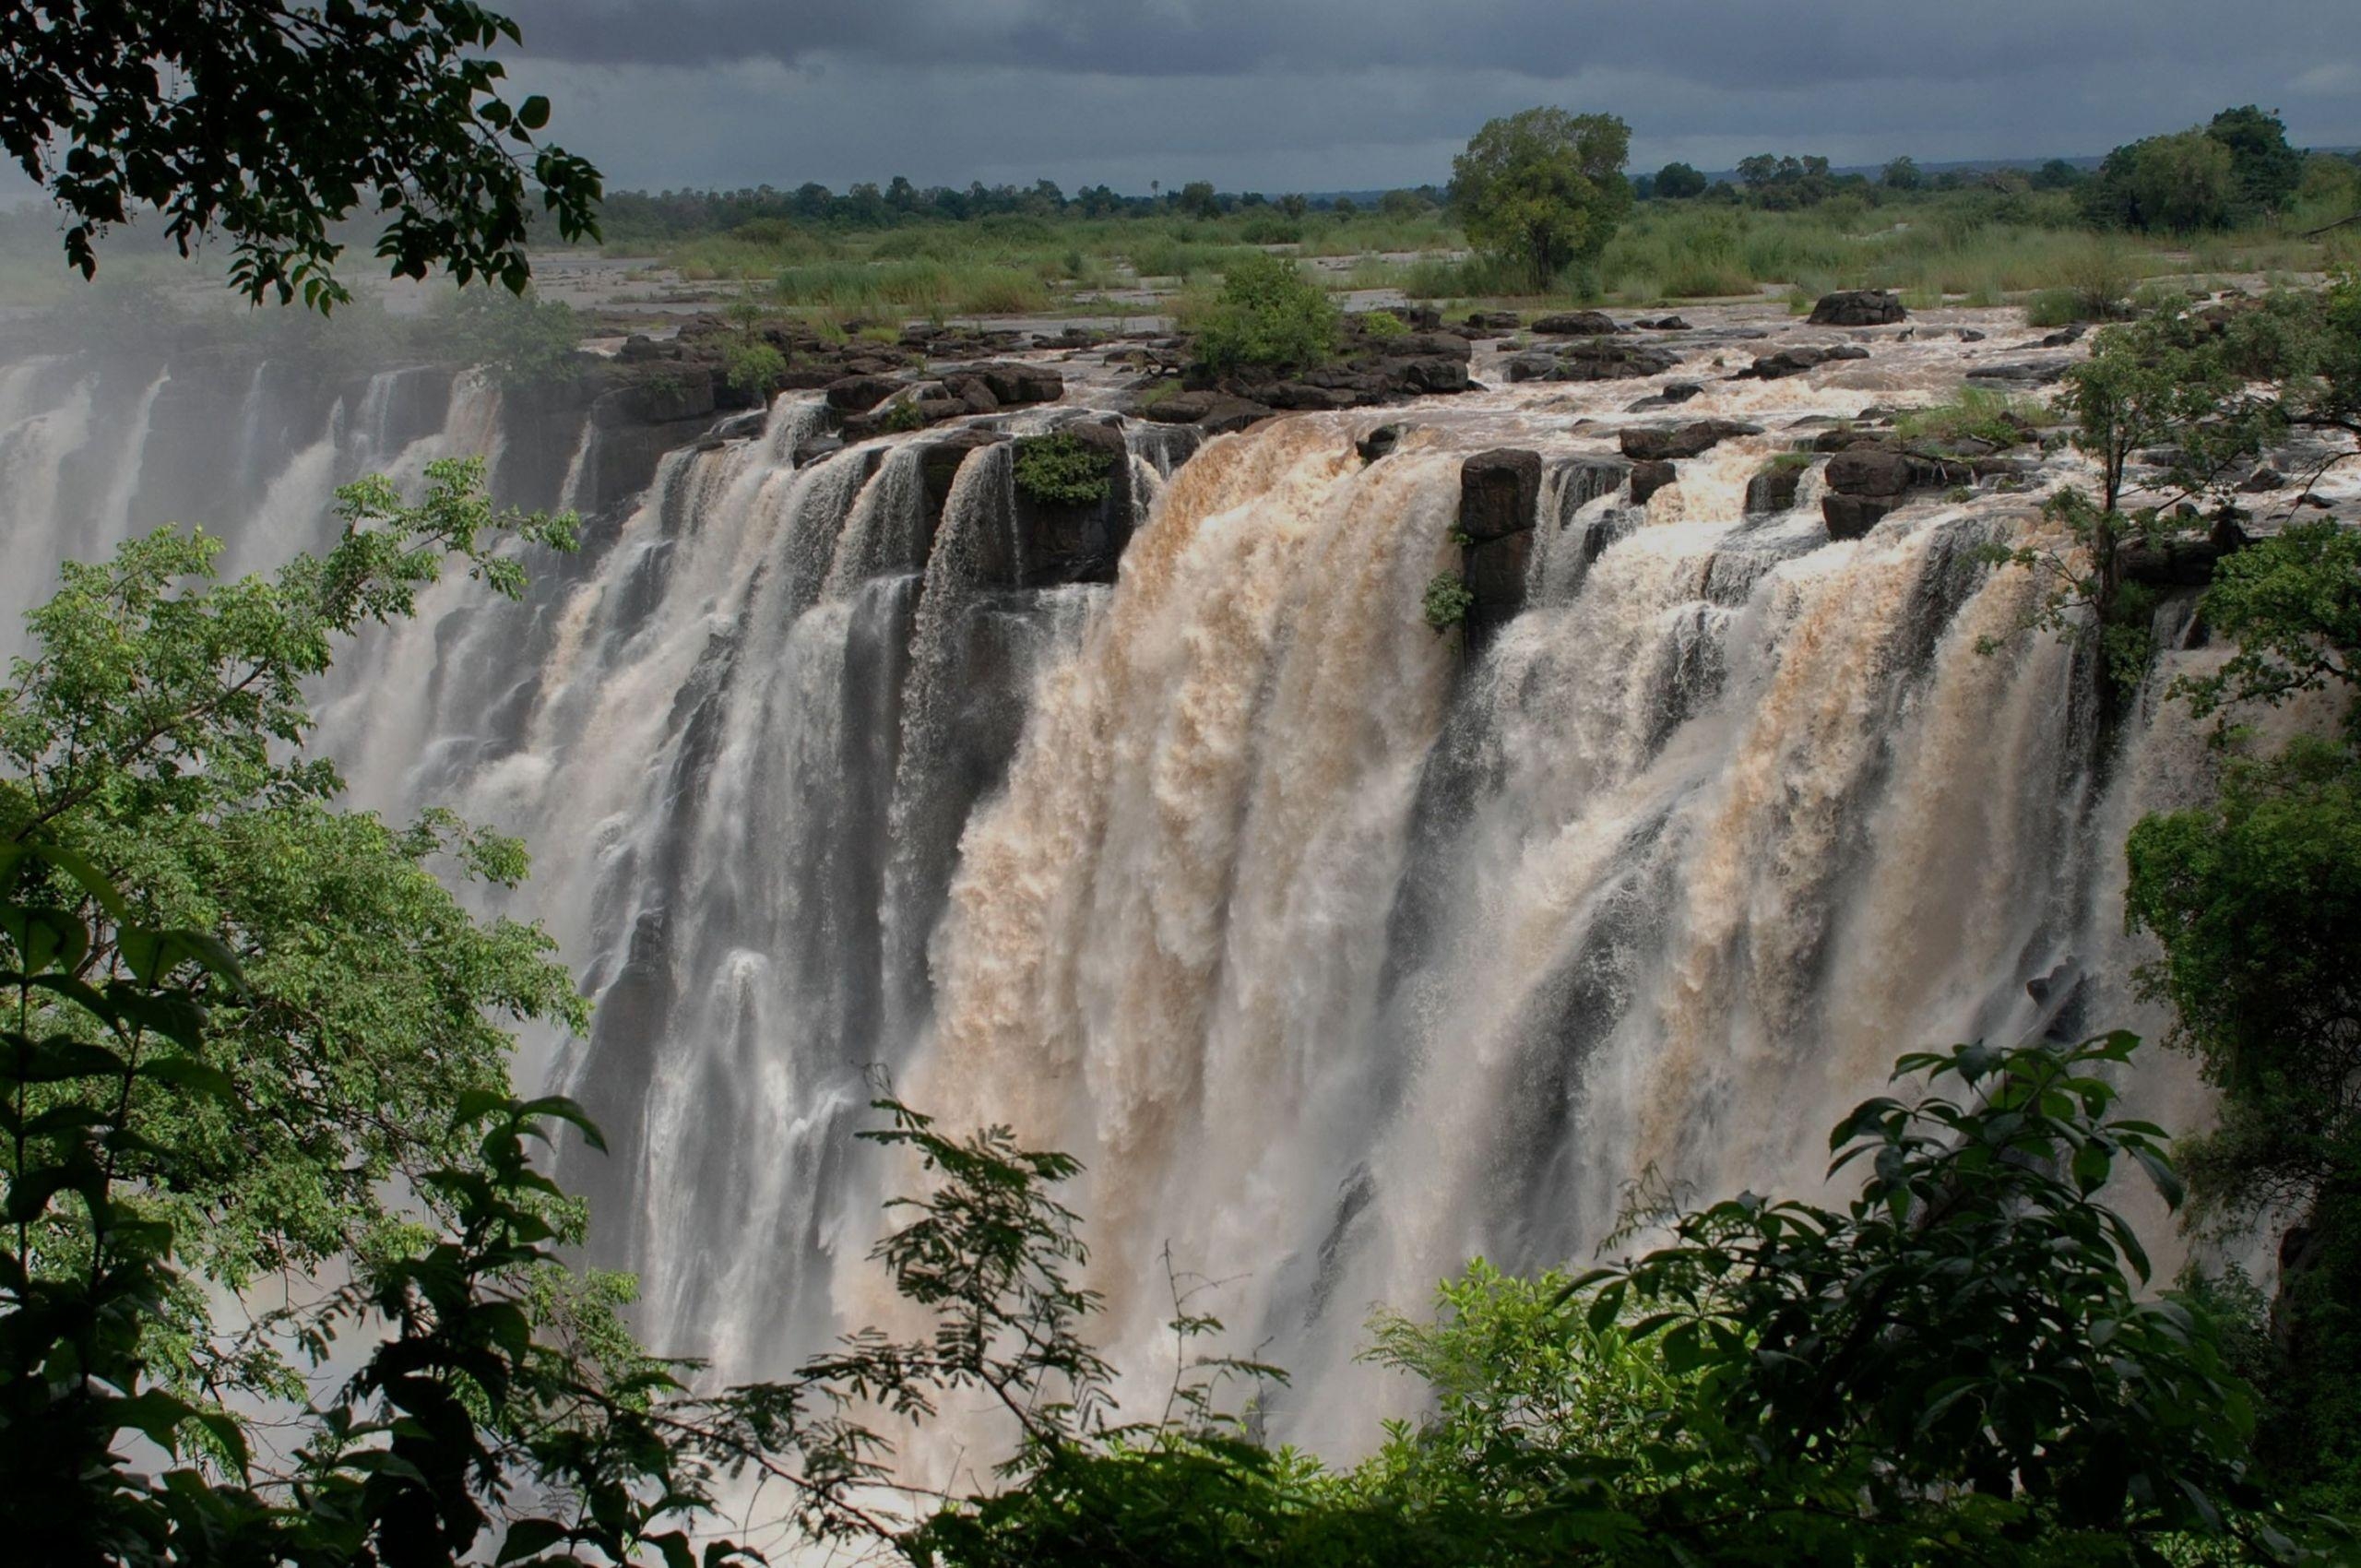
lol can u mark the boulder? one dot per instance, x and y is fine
(1217, 413)
(1795, 362)
(1661, 324)
(2264, 478)
(858, 394)
(1772, 491)
(1860, 307)
(1674, 392)
(1869, 470)
(1497, 493)
(1494, 320)
(1435, 375)
(1648, 478)
(1576, 324)
(1657, 444)
(1013, 383)
(1378, 442)
(1850, 516)
(2064, 335)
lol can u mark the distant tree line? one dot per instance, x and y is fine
(640, 215)
(2239, 168)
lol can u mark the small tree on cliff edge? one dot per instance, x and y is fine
(1543, 189)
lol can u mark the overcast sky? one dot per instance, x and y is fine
(1279, 95)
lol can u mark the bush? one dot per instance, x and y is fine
(1061, 469)
(1383, 326)
(1449, 599)
(1268, 314)
(753, 366)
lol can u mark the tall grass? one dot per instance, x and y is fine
(923, 287)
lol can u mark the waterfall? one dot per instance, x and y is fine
(1340, 951)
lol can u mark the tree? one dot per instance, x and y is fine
(155, 731)
(2264, 167)
(2177, 183)
(1197, 200)
(1900, 174)
(269, 122)
(2056, 175)
(1543, 189)
(2172, 379)
(1678, 180)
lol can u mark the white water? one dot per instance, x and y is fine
(1337, 958)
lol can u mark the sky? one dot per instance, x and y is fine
(1282, 95)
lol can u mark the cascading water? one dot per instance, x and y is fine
(1339, 955)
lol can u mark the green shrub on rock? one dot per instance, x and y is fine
(1448, 601)
(1062, 469)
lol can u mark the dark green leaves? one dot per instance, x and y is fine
(298, 116)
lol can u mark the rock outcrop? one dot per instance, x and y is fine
(1593, 359)
(1576, 324)
(1860, 307)
(1784, 362)
(1659, 443)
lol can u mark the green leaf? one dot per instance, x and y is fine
(534, 112)
(188, 1073)
(528, 1536)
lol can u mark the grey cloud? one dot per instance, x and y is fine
(1288, 94)
(1727, 42)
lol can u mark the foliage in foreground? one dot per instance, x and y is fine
(303, 115)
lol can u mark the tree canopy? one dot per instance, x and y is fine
(270, 121)
(1543, 189)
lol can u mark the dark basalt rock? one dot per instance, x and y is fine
(1494, 320)
(1850, 516)
(1869, 470)
(1796, 361)
(2181, 561)
(1650, 477)
(1495, 572)
(1596, 359)
(1012, 384)
(1657, 443)
(1661, 324)
(1497, 493)
(2033, 372)
(1674, 392)
(1378, 442)
(2064, 335)
(1217, 413)
(1576, 324)
(1047, 542)
(1772, 491)
(858, 394)
(1860, 307)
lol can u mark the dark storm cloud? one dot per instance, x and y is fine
(1292, 93)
